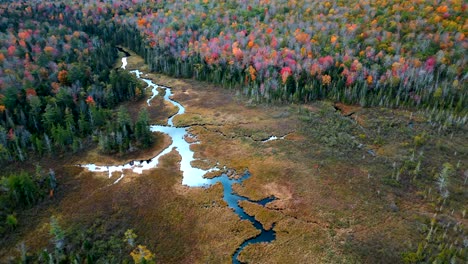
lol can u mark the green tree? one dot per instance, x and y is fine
(51, 116)
(97, 117)
(124, 121)
(69, 120)
(21, 190)
(83, 125)
(142, 130)
(58, 233)
(11, 221)
(35, 112)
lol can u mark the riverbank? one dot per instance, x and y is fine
(338, 196)
(333, 173)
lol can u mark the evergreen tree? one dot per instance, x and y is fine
(124, 122)
(51, 116)
(142, 130)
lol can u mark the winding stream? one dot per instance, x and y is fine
(192, 177)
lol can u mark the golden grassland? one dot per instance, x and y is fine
(332, 205)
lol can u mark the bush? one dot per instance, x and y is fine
(419, 140)
(11, 222)
(21, 190)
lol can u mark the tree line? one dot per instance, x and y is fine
(58, 88)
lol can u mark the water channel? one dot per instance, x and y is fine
(192, 176)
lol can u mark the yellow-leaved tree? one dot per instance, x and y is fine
(141, 254)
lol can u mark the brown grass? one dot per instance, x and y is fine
(265, 216)
(330, 208)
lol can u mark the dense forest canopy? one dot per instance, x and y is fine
(61, 89)
(411, 50)
(56, 58)
(57, 84)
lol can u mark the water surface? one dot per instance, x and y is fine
(192, 176)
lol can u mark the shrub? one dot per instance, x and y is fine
(419, 140)
(11, 221)
(21, 190)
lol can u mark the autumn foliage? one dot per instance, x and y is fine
(56, 81)
(63, 77)
(373, 53)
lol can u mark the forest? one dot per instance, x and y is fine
(63, 93)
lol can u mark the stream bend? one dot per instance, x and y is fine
(192, 176)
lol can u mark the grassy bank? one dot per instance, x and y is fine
(348, 184)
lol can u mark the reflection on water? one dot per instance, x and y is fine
(192, 176)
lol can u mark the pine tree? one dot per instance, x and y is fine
(124, 122)
(51, 116)
(83, 125)
(142, 131)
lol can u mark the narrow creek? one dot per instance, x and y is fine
(192, 176)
